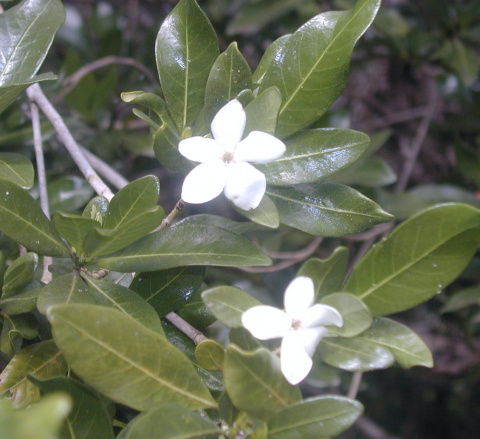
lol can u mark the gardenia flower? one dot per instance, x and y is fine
(224, 160)
(301, 325)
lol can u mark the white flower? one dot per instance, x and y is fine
(224, 160)
(301, 326)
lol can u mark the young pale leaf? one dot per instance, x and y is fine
(265, 213)
(74, 228)
(210, 355)
(262, 112)
(356, 316)
(168, 290)
(228, 304)
(313, 155)
(255, 383)
(17, 169)
(43, 360)
(417, 260)
(321, 416)
(313, 68)
(406, 346)
(230, 74)
(88, 418)
(19, 274)
(185, 244)
(170, 421)
(328, 274)
(275, 49)
(355, 354)
(22, 219)
(186, 49)
(102, 346)
(326, 209)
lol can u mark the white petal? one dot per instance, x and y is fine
(245, 185)
(266, 322)
(294, 360)
(323, 315)
(228, 125)
(259, 147)
(311, 338)
(299, 297)
(200, 149)
(205, 182)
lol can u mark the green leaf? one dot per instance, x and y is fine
(374, 172)
(406, 346)
(326, 209)
(228, 304)
(419, 258)
(41, 421)
(43, 360)
(185, 245)
(328, 274)
(462, 298)
(101, 345)
(14, 329)
(126, 301)
(218, 221)
(65, 289)
(265, 213)
(313, 155)
(355, 354)
(313, 68)
(210, 355)
(262, 112)
(19, 274)
(3, 268)
(68, 194)
(26, 34)
(88, 418)
(321, 416)
(17, 169)
(196, 312)
(22, 301)
(74, 228)
(163, 422)
(230, 74)
(96, 209)
(242, 338)
(168, 290)
(255, 383)
(22, 219)
(186, 49)
(275, 49)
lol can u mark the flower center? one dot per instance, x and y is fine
(227, 157)
(296, 325)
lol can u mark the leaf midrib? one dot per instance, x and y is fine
(13, 171)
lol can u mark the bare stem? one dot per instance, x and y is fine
(36, 94)
(172, 216)
(105, 170)
(354, 385)
(194, 334)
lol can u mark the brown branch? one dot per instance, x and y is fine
(112, 176)
(300, 254)
(192, 333)
(172, 216)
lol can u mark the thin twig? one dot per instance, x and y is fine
(372, 430)
(42, 177)
(300, 254)
(172, 216)
(194, 334)
(36, 94)
(399, 117)
(71, 81)
(105, 170)
(354, 385)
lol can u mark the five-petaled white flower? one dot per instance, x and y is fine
(224, 160)
(301, 326)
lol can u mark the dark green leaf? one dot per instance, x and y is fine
(275, 49)
(262, 112)
(74, 228)
(14, 329)
(24, 300)
(68, 194)
(196, 312)
(17, 169)
(417, 260)
(19, 274)
(242, 338)
(218, 221)
(326, 209)
(22, 219)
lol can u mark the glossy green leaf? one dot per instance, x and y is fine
(186, 49)
(74, 228)
(275, 49)
(419, 258)
(126, 301)
(228, 304)
(23, 301)
(218, 221)
(96, 209)
(41, 421)
(42, 360)
(102, 346)
(326, 209)
(230, 74)
(14, 329)
(265, 213)
(169, 421)
(313, 68)
(19, 274)
(88, 418)
(355, 354)
(17, 169)
(22, 219)
(320, 416)
(262, 112)
(313, 155)
(356, 316)
(168, 290)
(185, 245)
(328, 274)
(406, 346)
(210, 355)
(463, 298)
(374, 172)
(68, 194)
(196, 312)
(255, 383)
